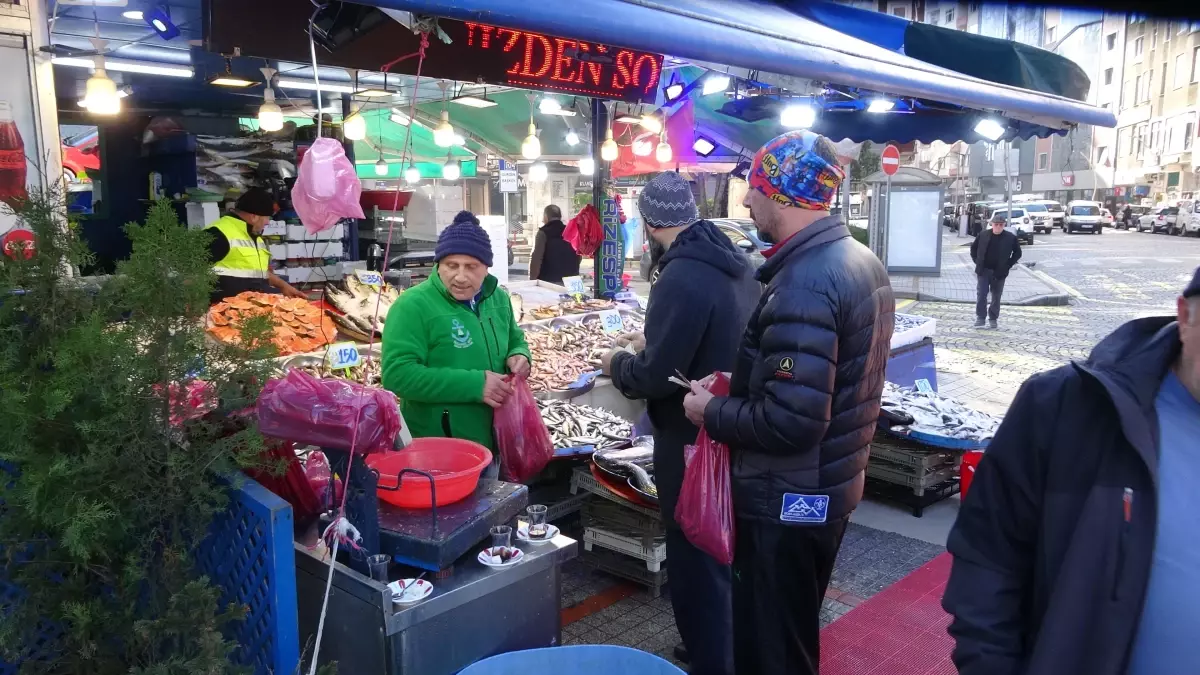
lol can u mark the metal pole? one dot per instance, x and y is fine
(599, 125)
(1008, 181)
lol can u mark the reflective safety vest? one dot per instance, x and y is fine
(247, 258)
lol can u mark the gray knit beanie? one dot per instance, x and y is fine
(667, 201)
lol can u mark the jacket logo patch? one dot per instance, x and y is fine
(460, 335)
(804, 508)
(785, 364)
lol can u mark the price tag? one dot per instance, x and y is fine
(370, 278)
(923, 386)
(610, 321)
(574, 285)
(343, 355)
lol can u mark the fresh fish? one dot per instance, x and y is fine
(937, 415)
(641, 478)
(906, 322)
(640, 455)
(572, 425)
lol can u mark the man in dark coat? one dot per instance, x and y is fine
(1075, 550)
(553, 257)
(697, 311)
(804, 399)
(994, 252)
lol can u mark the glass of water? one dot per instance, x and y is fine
(538, 529)
(378, 566)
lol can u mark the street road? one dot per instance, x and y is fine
(1113, 277)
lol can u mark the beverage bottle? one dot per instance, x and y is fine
(12, 159)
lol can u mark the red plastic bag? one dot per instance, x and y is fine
(584, 232)
(521, 435)
(705, 508)
(292, 485)
(302, 408)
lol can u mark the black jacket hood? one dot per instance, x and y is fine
(554, 228)
(705, 242)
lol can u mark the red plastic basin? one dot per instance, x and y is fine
(455, 464)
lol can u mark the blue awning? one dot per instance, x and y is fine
(781, 42)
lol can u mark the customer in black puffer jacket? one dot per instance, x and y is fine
(804, 400)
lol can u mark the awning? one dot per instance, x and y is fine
(781, 41)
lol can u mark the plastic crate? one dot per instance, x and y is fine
(626, 568)
(921, 458)
(919, 480)
(654, 555)
(582, 479)
(615, 518)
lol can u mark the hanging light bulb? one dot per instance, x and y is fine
(608, 149)
(381, 168)
(354, 128)
(531, 148)
(572, 138)
(642, 147)
(412, 175)
(587, 166)
(101, 97)
(443, 134)
(451, 170)
(663, 152)
(270, 117)
(538, 172)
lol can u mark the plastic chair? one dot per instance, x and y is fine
(576, 659)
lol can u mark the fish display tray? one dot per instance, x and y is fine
(908, 453)
(653, 555)
(913, 335)
(625, 310)
(613, 517)
(582, 479)
(626, 568)
(940, 441)
(918, 479)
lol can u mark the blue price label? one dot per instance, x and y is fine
(343, 355)
(369, 278)
(923, 386)
(611, 322)
(574, 285)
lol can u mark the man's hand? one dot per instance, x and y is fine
(707, 382)
(518, 365)
(636, 340)
(606, 360)
(496, 389)
(293, 292)
(695, 403)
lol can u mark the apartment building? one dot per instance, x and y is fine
(1155, 154)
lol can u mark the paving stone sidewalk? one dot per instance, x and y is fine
(956, 283)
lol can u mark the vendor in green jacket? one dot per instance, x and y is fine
(449, 341)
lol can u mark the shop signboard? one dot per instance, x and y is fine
(612, 261)
(509, 180)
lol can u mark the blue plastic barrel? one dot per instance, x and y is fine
(577, 660)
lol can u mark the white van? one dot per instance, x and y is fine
(1084, 216)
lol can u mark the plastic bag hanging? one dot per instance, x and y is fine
(327, 188)
(521, 435)
(704, 511)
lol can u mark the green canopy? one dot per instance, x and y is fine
(505, 125)
(386, 139)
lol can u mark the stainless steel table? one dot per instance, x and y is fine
(474, 613)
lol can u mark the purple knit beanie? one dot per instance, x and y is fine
(464, 236)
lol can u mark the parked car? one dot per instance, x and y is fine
(1020, 224)
(1057, 213)
(1135, 212)
(1189, 218)
(1040, 215)
(1106, 218)
(740, 231)
(1161, 219)
(1084, 216)
(949, 217)
(79, 154)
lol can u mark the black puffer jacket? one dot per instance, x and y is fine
(807, 380)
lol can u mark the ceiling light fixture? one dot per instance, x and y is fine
(651, 123)
(538, 172)
(399, 118)
(374, 92)
(133, 15)
(703, 146)
(880, 105)
(673, 91)
(663, 153)
(228, 79)
(381, 167)
(354, 128)
(270, 116)
(159, 18)
(587, 166)
(451, 169)
(572, 138)
(549, 106)
(443, 133)
(608, 149)
(412, 175)
(989, 129)
(140, 67)
(642, 147)
(121, 93)
(715, 82)
(101, 92)
(472, 101)
(798, 116)
(630, 119)
(309, 85)
(531, 147)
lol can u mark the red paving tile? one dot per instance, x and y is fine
(900, 631)
(594, 603)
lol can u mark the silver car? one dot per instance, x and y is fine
(739, 230)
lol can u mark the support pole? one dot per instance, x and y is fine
(599, 179)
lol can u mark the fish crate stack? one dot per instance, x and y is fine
(911, 473)
(305, 258)
(619, 537)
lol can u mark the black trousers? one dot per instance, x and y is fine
(700, 599)
(988, 282)
(780, 574)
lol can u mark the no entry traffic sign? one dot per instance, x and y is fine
(889, 161)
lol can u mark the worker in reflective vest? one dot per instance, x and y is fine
(238, 253)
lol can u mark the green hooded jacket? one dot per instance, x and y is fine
(435, 352)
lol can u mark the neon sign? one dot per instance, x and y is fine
(534, 60)
(612, 255)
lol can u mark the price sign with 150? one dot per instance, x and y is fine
(343, 355)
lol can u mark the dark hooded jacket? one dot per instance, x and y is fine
(553, 257)
(1050, 566)
(697, 312)
(804, 396)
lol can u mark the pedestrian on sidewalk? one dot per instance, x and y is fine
(804, 399)
(994, 252)
(698, 308)
(1076, 550)
(553, 257)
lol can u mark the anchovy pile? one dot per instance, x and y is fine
(907, 322)
(563, 352)
(938, 416)
(572, 425)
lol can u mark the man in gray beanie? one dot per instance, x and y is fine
(698, 309)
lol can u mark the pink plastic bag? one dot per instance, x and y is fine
(302, 408)
(327, 188)
(521, 435)
(705, 508)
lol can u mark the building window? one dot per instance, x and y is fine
(1101, 153)
(950, 17)
(1195, 59)
(1154, 38)
(900, 12)
(935, 17)
(1108, 76)
(1050, 34)
(1181, 70)
(1111, 41)
(1189, 130)
(1139, 46)
(1140, 141)
(1162, 80)
(1043, 161)
(1137, 89)
(1106, 105)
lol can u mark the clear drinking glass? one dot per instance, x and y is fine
(501, 536)
(537, 521)
(378, 566)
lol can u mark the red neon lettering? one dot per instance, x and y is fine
(593, 69)
(508, 46)
(470, 33)
(485, 38)
(527, 67)
(624, 63)
(561, 61)
(637, 71)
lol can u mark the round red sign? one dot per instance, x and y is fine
(16, 241)
(889, 161)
